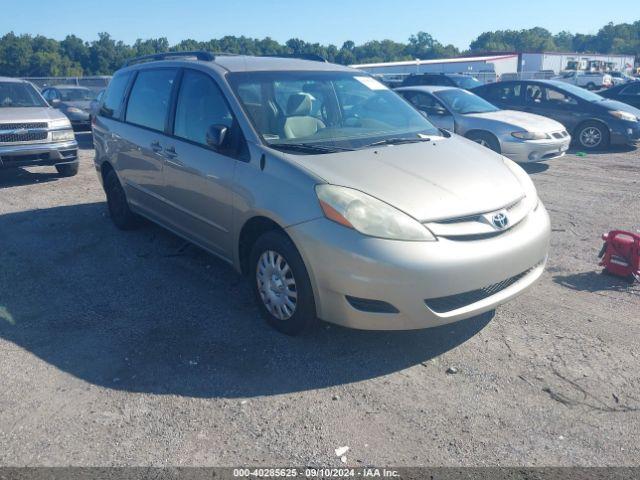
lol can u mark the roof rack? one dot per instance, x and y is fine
(205, 56)
(199, 55)
(314, 57)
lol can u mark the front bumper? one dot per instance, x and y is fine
(524, 151)
(80, 121)
(625, 133)
(38, 154)
(409, 276)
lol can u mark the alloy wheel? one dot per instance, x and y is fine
(590, 137)
(276, 285)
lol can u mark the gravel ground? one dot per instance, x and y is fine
(134, 348)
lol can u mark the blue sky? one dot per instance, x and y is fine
(325, 21)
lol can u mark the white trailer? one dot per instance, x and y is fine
(484, 66)
(558, 62)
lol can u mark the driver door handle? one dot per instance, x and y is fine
(170, 152)
(156, 147)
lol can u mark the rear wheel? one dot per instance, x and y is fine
(68, 169)
(281, 284)
(485, 139)
(117, 203)
(591, 86)
(592, 136)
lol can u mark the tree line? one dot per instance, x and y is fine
(39, 56)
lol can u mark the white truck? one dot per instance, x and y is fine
(588, 80)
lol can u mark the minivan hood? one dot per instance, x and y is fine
(446, 178)
(30, 114)
(521, 120)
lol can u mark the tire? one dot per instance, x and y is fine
(592, 136)
(68, 169)
(119, 210)
(486, 140)
(591, 86)
(281, 285)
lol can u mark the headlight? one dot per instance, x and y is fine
(60, 123)
(369, 216)
(530, 135)
(622, 115)
(74, 110)
(530, 192)
(62, 135)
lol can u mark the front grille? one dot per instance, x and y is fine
(35, 131)
(22, 137)
(16, 126)
(454, 302)
(562, 134)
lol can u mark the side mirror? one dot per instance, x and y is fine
(216, 135)
(440, 111)
(54, 102)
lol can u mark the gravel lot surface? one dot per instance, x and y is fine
(135, 348)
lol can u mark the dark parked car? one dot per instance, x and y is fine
(94, 106)
(73, 101)
(628, 93)
(442, 79)
(593, 121)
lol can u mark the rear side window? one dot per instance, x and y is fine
(200, 105)
(149, 99)
(499, 92)
(112, 105)
(421, 100)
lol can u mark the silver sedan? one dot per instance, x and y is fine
(523, 137)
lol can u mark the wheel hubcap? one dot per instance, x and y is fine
(590, 137)
(482, 142)
(276, 285)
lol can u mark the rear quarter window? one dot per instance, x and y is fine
(148, 104)
(113, 96)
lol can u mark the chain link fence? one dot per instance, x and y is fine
(94, 83)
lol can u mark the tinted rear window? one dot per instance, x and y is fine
(149, 99)
(413, 80)
(112, 105)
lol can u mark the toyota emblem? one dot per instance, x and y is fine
(500, 220)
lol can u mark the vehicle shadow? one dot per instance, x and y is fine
(144, 311)
(85, 140)
(594, 282)
(608, 151)
(16, 177)
(535, 167)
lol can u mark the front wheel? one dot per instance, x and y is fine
(68, 169)
(117, 203)
(281, 284)
(593, 135)
(486, 140)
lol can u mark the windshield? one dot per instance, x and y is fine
(19, 95)
(341, 110)
(466, 82)
(579, 92)
(76, 94)
(463, 102)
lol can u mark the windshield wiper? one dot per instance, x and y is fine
(308, 148)
(397, 141)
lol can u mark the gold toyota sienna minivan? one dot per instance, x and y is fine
(335, 197)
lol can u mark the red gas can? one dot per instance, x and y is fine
(620, 254)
